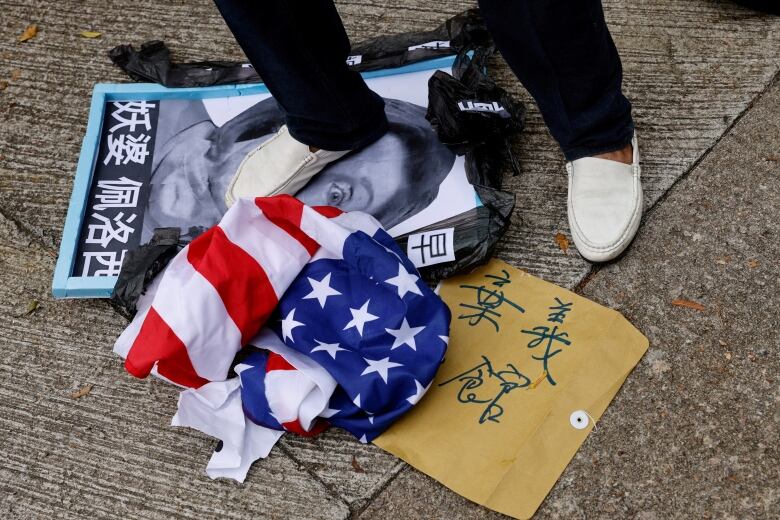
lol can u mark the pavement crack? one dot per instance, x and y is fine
(585, 280)
(24, 231)
(596, 268)
(710, 149)
(331, 491)
(364, 504)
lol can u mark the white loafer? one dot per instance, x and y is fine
(280, 165)
(604, 205)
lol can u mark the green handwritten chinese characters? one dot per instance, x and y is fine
(482, 384)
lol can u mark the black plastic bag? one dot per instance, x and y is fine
(463, 31)
(152, 62)
(474, 117)
(476, 234)
(141, 265)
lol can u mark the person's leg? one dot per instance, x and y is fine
(562, 52)
(300, 48)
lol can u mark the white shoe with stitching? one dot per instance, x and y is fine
(280, 165)
(604, 205)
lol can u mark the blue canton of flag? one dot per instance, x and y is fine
(373, 324)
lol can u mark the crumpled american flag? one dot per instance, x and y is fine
(332, 322)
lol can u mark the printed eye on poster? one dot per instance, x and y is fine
(157, 157)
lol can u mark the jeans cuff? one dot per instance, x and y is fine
(332, 141)
(578, 152)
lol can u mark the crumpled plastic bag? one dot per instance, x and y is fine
(152, 62)
(141, 266)
(466, 117)
(476, 234)
(474, 117)
(466, 30)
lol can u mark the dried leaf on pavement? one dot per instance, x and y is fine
(81, 392)
(90, 34)
(32, 307)
(562, 242)
(689, 304)
(752, 263)
(356, 466)
(28, 33)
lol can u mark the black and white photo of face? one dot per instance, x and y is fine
(392, 179)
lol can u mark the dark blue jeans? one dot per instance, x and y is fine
(561, 51)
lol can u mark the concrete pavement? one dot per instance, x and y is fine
(693, 433)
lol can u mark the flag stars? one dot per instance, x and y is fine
(330, 348)
(419, 392)
(404, 335)
(360, 317)
(288, 324)
(405, 282)
(328, 412)
(321, 290)
(380, 366)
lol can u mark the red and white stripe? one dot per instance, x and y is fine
(216, 294)
(297, 388)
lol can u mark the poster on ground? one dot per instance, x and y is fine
(164, 158)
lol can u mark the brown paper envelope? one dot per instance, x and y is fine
(509, 464)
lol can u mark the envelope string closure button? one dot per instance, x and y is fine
(580, 419)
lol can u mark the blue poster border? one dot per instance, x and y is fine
(64, 285)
